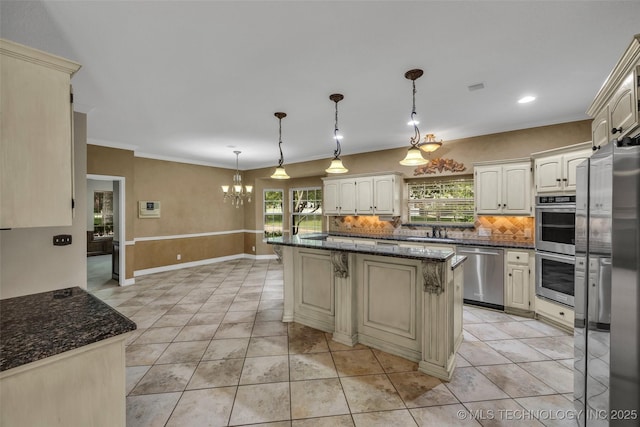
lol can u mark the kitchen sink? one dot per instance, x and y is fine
(430, 239)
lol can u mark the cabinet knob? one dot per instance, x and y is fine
(558, 179)
(561, 313)
(509, 274)
(564, 179)
(616, 130)
(517, 257)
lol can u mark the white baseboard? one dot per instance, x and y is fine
(208, 261)
(129, 282)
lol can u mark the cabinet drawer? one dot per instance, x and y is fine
(517, 257)
(559, 313)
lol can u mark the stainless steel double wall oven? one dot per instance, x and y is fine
(555, 247)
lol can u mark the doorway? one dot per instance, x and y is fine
(105, 231)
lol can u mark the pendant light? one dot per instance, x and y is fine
(280, 173)
(237, 193)
(414, 156)
(336, 164)
(430, 144)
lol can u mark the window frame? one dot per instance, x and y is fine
(265, 213)
(292, 214)
(470, 201)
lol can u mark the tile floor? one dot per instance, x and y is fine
(210, 350)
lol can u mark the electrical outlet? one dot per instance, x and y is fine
(253, 248)
(178, 257)
(527, 233)
(484, 232)
(62, 240)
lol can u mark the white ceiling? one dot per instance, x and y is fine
(194, 81)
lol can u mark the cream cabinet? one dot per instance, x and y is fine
(36, 146)
(555, 170)
(558, 314)
(363, 195)
(504, 188)
(615, 108)
(517, 280)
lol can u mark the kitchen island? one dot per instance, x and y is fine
(405, 301)
(62, 360)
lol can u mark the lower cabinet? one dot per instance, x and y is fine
(518, 286)
(557, 313)
(314, 301)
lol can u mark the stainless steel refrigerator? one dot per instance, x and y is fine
(607, 287)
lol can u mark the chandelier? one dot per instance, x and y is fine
(235, 192)
(414, 156)
(336, 164)
(280, 173)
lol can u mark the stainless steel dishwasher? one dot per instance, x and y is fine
(483, 276)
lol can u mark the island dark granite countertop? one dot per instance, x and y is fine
(320, 242)
(33, 327)
(464, 242)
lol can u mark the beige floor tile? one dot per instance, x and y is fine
(267, 369)
(461, 362)
(253, 296)
(268, 315)
(469, 318)
(491, 316)
(335, 421)
(261, 403)
(400, 417)
(158, 335)
(201, 318)
(239, 317)
(273, 304)
(448, 415)
(231, 348)
(545, 328)
(234, 330)
(165, 378)
(152, 410)
(173, 320)
(552, 373)
(417, 389)
(550, 409)
(371, 393)
(210, 407)
(311, 366)
(391, 363)
(316, 398)
(216, 373)
(196, 333)
(515, 381)
(469, 384)
(487, 331)
(133, 375)
(268, 346)
(501, 413)
(518, 330)
(357, 362)
(265, 329)
(336, 346)
(479, 353)
(143, 354)
(244, 306)
(185, 308)
(516, 351)
(309, 344)
(182, 352)
(550, 347)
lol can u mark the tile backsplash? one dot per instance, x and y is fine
(510, 228)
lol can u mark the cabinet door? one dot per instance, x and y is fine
(569, 163)
(364, 196)
(516, 188)
(517, 286)
(330, 201)
(600, 128)
(384, 195)
(36, 178)
(623, 107)
(488, 184)
(549, 174)
(347, 197)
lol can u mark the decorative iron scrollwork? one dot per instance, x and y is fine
(340, 262)
(434, 276)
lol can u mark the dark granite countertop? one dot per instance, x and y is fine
(463, 242)
(320, 242)
(33, 327)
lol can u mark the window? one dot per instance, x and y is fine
(102, 213)
(306, 210)
(272, 213)
(442, 201)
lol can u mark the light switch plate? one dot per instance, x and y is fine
(484, 232)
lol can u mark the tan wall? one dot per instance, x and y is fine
(29, 263)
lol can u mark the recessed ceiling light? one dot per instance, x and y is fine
(476, 86)
(526, 99)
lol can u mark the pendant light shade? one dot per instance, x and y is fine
(430, 144)
(280, 173)
(414, 156)
(336, 164)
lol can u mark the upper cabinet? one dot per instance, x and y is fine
(36, 146)
(616, 106)
(555, 170)
(363, 195)
(503, 188)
